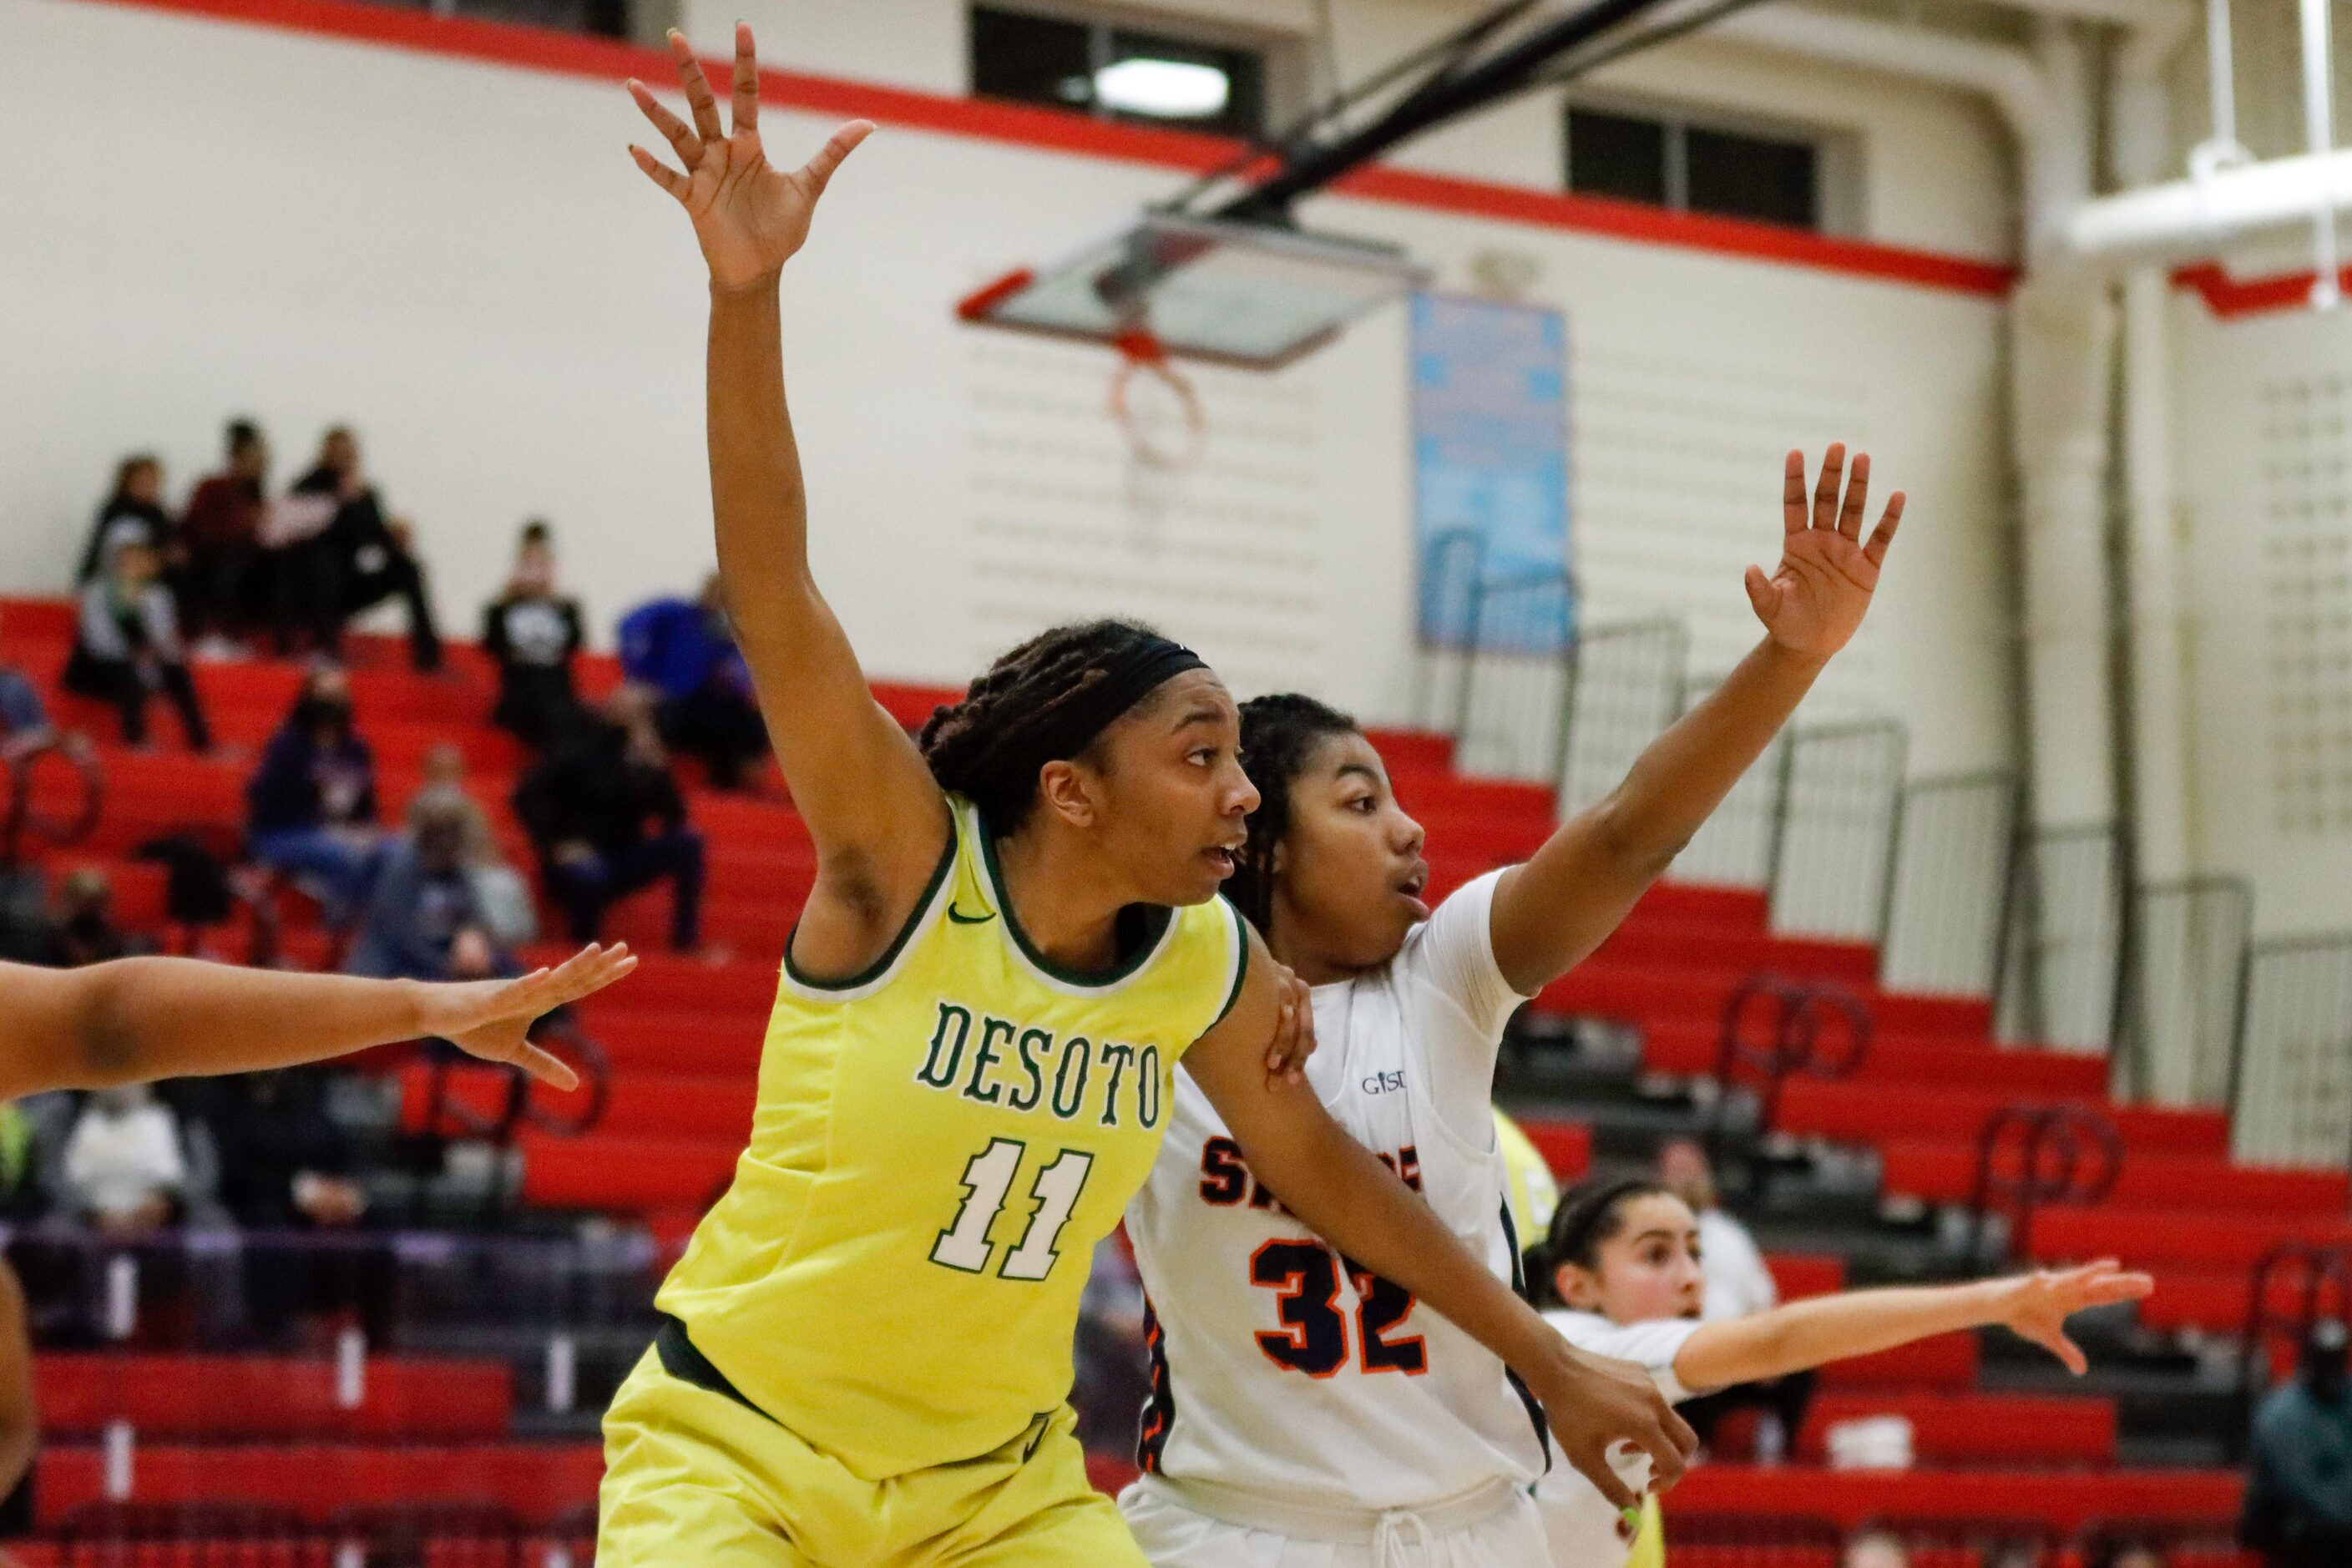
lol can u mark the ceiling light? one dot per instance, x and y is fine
(1166, 90)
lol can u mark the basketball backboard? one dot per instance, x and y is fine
(1240, 294)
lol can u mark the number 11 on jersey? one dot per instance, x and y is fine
(987, 1181)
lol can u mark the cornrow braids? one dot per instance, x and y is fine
(1589, 1214)
(1279, 733)
(989, 747)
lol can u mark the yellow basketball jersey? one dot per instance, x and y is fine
(938, 1144)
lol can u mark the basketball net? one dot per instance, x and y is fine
(1159, 412)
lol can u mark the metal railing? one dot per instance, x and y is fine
(2027, 1155)
(1451, 565)
(1733, 847)
(19, 815)
(1948, 903)
(1841, 810)
(2185, 993)
(219, 1288)
(2292, 1102)
(1813, 1027)
(2061, 970)
(1511, 716)
(1625, 684)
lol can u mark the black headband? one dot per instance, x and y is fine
(1126, 677)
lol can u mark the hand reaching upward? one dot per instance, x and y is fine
(1814, 601)
(750, 217)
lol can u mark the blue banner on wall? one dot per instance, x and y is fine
(1490, 474)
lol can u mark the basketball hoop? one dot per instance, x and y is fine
(1145, 369)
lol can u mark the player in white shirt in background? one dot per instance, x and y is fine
(1304, 1414)
(1624, 1268)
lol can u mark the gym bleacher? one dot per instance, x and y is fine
(474, 1415)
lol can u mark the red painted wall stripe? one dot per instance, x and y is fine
(568, 54)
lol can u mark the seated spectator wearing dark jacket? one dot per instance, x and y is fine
(424, 902)
(2298, 1500)
(220, 532)
(607, 819)
(126, 647)
(310, 808)
(685, 651)
(333, 555)
(534, 633)
(135, 513)
(286, 1163)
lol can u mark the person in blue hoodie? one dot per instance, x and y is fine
(685, 649)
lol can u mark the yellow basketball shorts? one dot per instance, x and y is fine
(692, 1477)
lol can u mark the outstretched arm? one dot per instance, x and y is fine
(1556, 909)
(1824, 1329)
(175, 1017)
(878, 820)
(1352, 1201)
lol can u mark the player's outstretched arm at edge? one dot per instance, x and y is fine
(1823, 1329)
(879, 821)
(139, 1019)
(1551, 912)
(1352, 1201)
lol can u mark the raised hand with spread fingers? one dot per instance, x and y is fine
(749, 217)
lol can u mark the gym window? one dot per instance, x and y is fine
(1663, 159)
(640, 19)
(1115, 71)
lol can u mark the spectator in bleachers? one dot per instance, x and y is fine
(221, 533)
(310, 808)
(1875, 1546)
(607, 819)
(685, 650)
(25, 726)
(81, 927)
(2298, 1502)
(135, 512)
(510, 915)
(288, 1164)
(1738, 1284)
(533, 633)
(337, 555)
(126, 1167)
(423, 903)
(126, 647)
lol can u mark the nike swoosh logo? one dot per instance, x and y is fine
(963, 918)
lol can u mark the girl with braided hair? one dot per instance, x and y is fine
(1013, 939)
(1306, 1413)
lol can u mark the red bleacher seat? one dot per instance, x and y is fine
(272, 1396)
(2063, 1501)
(1976, 1429)
(1799, 1274)
(536, 1482)
(1947, 1361)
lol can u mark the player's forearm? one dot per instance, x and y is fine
(1356, 1204)
(757, 498)
(1811, 1333)
(1676, 783)
(141, 1018)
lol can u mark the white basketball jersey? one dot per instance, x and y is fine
(1583, 1528)
(1279, 1367)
